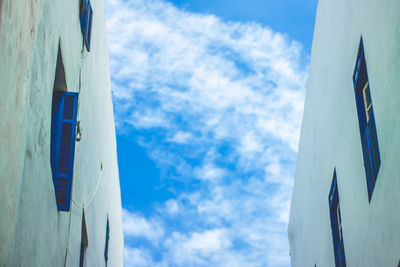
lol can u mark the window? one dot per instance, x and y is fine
(366, 121)
(62, 145)
(107, 240)
(336, 224)
(84, 241)
(86, 17)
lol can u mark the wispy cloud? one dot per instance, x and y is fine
(138, 227)
(218, 104)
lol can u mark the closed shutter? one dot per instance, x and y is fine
(64, 141)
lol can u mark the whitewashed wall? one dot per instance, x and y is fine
(330, 138)
(32, 231)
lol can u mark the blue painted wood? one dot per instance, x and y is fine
(374, 149)
(89, 26)
(86, 17)
(337, 238)
(358, 63)
(368, 165)
(362, 117)
(54, 118)
(368, 134)
(82, 15)
(64, 129)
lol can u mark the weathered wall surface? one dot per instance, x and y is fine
(32, 231)
(17, 28)
(330, 138)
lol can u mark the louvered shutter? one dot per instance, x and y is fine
(54, 118)
(64, 139)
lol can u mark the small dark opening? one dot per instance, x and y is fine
(89, 37)
(107, 240)
(60, 83)
(84, 241)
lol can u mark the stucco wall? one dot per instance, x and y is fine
(32, 231)
(330, 138)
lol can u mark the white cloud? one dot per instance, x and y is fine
(180, 137)
(138, 257)
(218, 105)
(197, 246)
(138, 226)
(209, 172)
(171, 206)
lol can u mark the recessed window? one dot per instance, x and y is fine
(366, 121)
(86, 17)
(84, 242)
(336, 224)
(107, 241)
(62, 145)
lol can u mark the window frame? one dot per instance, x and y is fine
(366, 121)
(336, 223)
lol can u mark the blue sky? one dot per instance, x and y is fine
(208, 99)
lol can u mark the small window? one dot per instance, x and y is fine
(107, 241)
(336, 224)
(86, 17)
(62, 145)
(84, 242)
(366, 121)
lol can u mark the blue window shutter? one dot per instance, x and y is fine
(83, 15)
(54, 119)
(89, 25)
(86, 17)
(337, 235)
(358, 64)
(376, 159)
(369, 172)
(64, 140)
(372, 160)
(362, 118)
(366, 121)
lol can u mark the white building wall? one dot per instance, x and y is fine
(32, 231)
(330, 138)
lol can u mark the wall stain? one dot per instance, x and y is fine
(29, 153)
